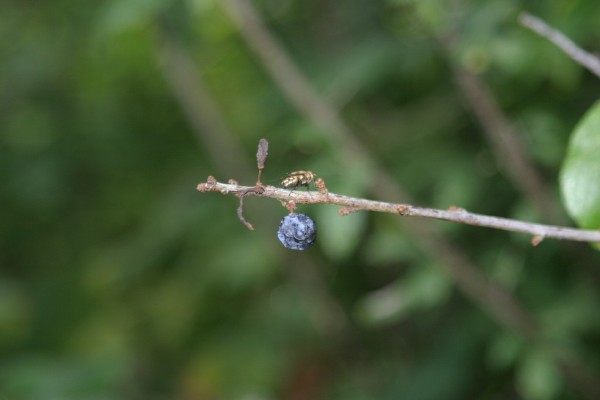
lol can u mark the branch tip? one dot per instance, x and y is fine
(261, 156)
(262, 153)
(208, 185)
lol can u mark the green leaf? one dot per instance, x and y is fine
(580, 175)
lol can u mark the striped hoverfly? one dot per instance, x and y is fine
(298, 178)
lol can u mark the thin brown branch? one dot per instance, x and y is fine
(454, 215)
(577, 54)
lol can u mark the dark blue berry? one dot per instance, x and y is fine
(297, 231)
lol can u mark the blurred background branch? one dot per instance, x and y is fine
(587, 60)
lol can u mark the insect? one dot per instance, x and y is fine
(298, 178)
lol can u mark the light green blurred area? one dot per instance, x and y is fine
(118, 280)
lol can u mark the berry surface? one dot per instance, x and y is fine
(297, 231)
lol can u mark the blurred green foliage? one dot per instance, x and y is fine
(579, 178)
(119, 281)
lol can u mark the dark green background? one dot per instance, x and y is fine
(119, 280)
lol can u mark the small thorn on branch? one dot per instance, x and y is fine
(346, 210)
(537, 239)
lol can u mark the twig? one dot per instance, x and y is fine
(587, 60)
(261, 157)
(458, 215)
(240, 213)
